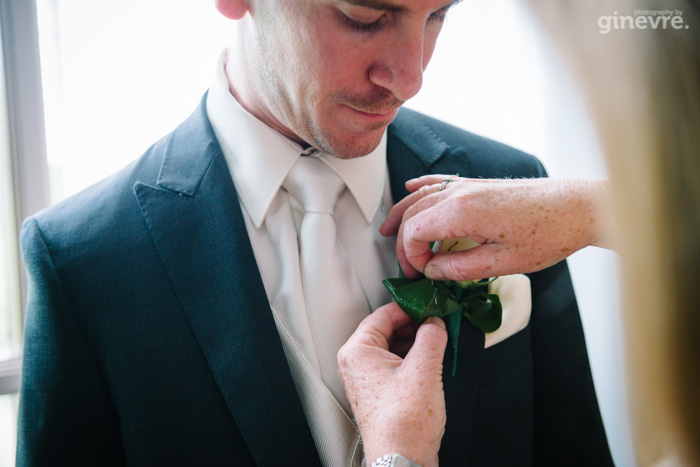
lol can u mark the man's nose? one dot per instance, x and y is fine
(399, 67)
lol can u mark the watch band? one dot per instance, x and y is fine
(394, 460)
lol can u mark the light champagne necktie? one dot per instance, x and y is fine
(335, 301)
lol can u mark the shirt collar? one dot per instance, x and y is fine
(364, 176)
(260, 158)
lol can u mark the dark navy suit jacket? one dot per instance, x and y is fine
(149, 339)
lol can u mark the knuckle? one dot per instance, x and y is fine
(410, 212)
(425, 190)
(344, 358)
(409, 230)
(455, 270)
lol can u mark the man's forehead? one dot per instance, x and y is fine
(396, 5)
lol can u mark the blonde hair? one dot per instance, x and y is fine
(642, 88)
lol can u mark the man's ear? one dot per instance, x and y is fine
(233, 9)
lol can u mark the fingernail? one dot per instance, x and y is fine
(437, 321)
(433, 272)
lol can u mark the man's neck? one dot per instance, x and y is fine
(244, 92)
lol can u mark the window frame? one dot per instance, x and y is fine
(25, 112)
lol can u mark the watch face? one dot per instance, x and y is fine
(386, 461)
(396, 460)
(400, 461)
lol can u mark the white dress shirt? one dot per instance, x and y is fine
(259, 159)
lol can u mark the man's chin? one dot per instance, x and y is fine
(353, 146)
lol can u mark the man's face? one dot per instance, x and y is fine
(333, 73)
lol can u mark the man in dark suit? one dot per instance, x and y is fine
(153, 335)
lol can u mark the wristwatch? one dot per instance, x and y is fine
(394, 460)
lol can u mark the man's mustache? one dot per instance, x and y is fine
(379, 100)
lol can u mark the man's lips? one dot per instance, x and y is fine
(383, 114)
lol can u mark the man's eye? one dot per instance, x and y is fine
(439, 16)
(363, 27)
(363, 21)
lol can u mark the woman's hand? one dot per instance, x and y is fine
(392, 375)
(523, 225)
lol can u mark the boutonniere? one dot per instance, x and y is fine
(450, 300)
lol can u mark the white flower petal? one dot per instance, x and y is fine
(516, 299)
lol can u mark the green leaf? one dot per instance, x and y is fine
(449, 300)
(421, 299)
(484, 311)
(412, 296)
(442, 305)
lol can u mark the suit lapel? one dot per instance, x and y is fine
(196, 224)
(413, 150)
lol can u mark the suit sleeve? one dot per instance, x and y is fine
(66, 416)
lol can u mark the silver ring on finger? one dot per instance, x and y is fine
(444, 183)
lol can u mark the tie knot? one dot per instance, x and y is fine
(314, 184)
